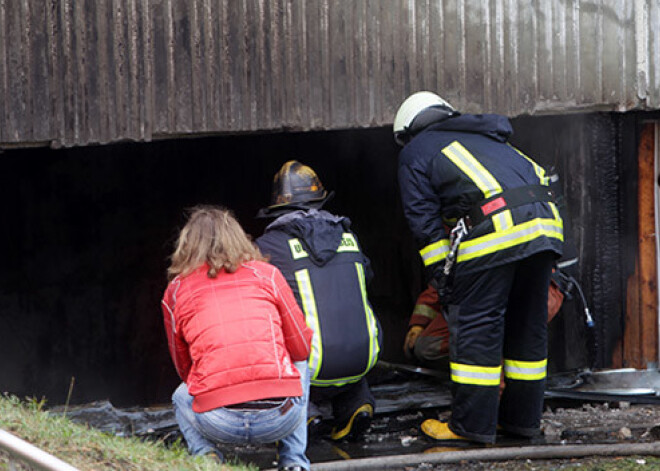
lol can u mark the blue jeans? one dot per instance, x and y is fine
(247, 426)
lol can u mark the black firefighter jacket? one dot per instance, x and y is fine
(322, 261)
(449, 167)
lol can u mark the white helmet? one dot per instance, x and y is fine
(406, 122)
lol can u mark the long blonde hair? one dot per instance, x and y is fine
(212, 235)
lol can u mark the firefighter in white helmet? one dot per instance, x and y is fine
(488, 231)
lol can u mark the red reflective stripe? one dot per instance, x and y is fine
(494, 205)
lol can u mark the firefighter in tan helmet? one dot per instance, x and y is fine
(324, 264)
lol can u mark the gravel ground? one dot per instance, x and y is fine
(580, 424)
(582, 464)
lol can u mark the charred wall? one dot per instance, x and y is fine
(595, 155)
(88, 231)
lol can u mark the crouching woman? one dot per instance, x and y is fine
(238, 341)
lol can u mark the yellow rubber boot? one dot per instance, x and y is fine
(357, 424)
(440, 431)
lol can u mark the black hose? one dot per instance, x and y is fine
(570, 281)
(492, 454)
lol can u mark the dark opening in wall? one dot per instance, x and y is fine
(88, 231)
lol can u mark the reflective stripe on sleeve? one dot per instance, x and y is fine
(435, 252)
(525, 370)
(312, 318)
(425, 311)
(475, 375)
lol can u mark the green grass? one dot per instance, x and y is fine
(89, 449)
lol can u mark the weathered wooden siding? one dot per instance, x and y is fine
(75, 72)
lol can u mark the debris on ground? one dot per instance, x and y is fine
(400, 409)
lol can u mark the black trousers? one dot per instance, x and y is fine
(498, 322)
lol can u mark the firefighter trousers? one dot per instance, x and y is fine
(498, 322)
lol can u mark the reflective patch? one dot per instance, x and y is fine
(297, 250)
(348, 243)
(493, 206)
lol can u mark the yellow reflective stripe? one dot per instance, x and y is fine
(372, 325)
(297, 250)
(426, 311)
(540, 171)
(525, 370)
(469, 165)
(336, 382)
(348, 243)
(503, 221)
(312, 318)
(555, 211)
(435, 252)
(519, 234)
(475, 375)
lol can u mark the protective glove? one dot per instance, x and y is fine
(411, 338)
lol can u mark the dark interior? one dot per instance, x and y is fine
(88, 231)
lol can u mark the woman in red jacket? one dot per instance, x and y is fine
(238, 341)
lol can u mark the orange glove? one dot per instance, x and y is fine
(411, 338)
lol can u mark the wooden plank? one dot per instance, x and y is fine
(640, 340)
(648, 286)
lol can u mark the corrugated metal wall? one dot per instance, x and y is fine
(75, 72)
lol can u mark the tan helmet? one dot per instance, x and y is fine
(418, 111)
(297, 185)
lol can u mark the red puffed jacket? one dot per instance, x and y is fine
(233, 338)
